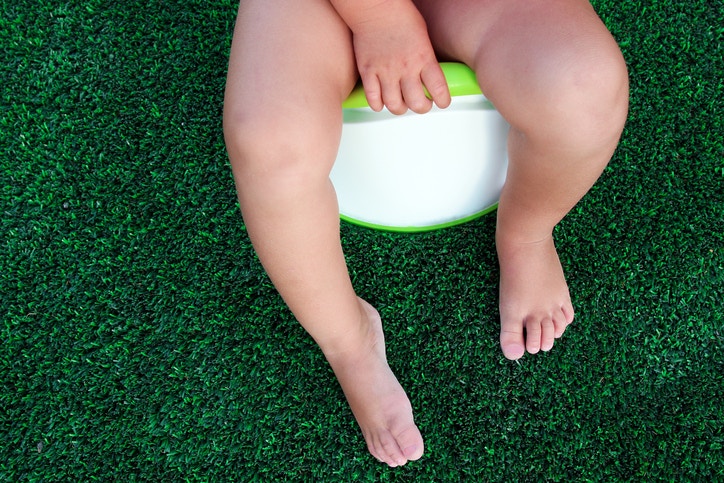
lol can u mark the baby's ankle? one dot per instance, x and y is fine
(512, 234)
(362, 335)
(510, 244)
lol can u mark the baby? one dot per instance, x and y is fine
(552, 70)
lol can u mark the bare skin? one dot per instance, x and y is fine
(551, 69)
(555, 73)
(282, 145)
(378, 402)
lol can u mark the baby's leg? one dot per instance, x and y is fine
(556, 74)
(291, 65)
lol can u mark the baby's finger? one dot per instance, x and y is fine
(392, 96)
(436, 85)
(413, 93)
(373, 92)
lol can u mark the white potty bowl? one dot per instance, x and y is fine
(421, 172)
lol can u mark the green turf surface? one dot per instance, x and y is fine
(142, 341)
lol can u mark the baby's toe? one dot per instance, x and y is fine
(533, 334)
(389, 450)
(511, 340)
(410, 441)
(548, 334)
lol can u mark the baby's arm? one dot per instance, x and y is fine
(394, 55)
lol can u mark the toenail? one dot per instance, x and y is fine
(410, 450)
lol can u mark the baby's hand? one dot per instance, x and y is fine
(396, 60)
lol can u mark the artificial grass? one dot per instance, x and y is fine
(142, 341)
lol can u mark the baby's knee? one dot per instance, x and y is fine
(269, 148)
(589, 94)
(250, 140)
(575, 90)
(595, 84)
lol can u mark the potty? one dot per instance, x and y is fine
(418, 172)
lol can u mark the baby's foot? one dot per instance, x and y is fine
(378, 402)
(535, 306)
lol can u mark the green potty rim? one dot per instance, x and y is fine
(460, 78)
(421, 228)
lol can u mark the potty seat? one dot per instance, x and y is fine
(418, 172)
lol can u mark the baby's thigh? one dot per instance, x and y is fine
(288, 58)
(530, 55)
(460, 29)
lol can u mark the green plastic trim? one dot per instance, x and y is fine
(460, 79)
(419, 229)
